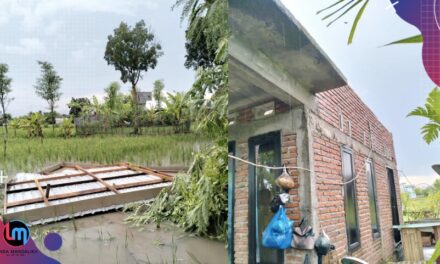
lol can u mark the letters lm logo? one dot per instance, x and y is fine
(16, 233)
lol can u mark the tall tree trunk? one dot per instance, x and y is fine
(5, 121)
(5, 124)
(52, 117)
(135, 109)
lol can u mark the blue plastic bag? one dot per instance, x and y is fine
(278, 234)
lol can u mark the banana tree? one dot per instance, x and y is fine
(14, 124)
(177, 107)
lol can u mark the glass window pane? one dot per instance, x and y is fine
(372, 198)
(266, 190)
(350, 199)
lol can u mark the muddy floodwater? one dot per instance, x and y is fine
(104, 238)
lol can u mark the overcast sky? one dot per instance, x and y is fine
(72, 35)
(390, 80)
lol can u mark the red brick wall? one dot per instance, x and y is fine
(241, 205)
(328, 170)
(289, 155)
(326, 155)
(344, 101)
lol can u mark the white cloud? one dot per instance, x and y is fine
(53, 28)
(25, 46)
(78, 54)
(421, 180)
(32, 13)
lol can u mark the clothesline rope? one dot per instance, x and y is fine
(301, 168)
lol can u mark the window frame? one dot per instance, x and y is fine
(231, 201)
(377, 234)
(351, 246)
(275, 139)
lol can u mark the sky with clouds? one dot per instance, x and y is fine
(72, 35)
(391, 80)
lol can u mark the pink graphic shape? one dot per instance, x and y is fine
(31, 254)
(425, 15)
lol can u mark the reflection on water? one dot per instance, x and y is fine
(105, 238)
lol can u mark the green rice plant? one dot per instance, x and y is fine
(29, 155)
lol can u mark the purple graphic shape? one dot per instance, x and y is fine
(27, 254)
(53, 241)
(425, 15)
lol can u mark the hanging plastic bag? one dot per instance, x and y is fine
(276, 203)
(303, 238)
(278, 234)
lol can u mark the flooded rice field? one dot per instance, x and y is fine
(105, 238)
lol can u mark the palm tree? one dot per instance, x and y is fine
(177, 108)
(341, 8)
(431, 111)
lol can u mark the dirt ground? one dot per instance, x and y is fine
(104, 238)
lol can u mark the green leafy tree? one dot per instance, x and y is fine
(112, 98)
(197, 200)
(76, 106)
(150, 116)
(67, 127)
(5, 89)
(430, 111)
(436, 185)
(133, 51)
(114, 109)
(206, 28)
(48, 87)
(157, 93)
(15, 124)
(34, 125)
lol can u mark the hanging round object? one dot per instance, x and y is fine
(285, 181)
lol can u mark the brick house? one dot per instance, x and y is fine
(289, 104)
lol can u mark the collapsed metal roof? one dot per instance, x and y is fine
(70, 190)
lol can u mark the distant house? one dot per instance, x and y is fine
(409, 189)
(143, 97)
(289, 104)
(59, 120)
(152, 103)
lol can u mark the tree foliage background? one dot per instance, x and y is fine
(197, 200)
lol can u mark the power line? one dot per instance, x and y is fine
(301, 168)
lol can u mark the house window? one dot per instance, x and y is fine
(264, 149)
(372, 198)
(351, 219)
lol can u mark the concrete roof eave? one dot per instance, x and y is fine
(436, 168)
(267, 29)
